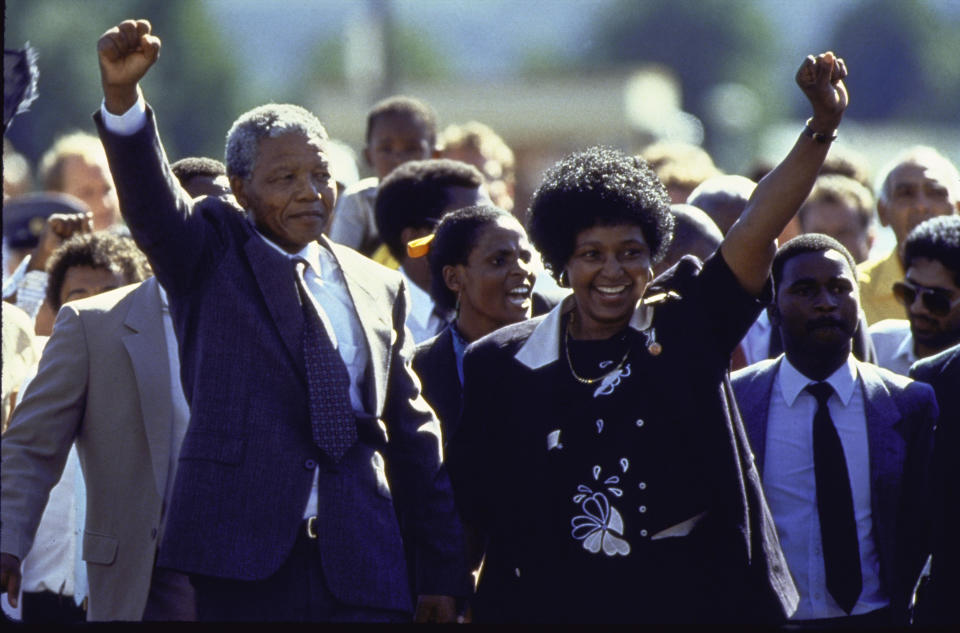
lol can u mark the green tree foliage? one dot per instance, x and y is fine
(194, 88)
(704, 41)
(904, 59)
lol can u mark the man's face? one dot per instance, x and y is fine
(817, 304)
(916, 192)
(290, 194)
(841, 222)
(931, 330)
(92, 183)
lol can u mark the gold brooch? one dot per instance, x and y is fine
(654, 348)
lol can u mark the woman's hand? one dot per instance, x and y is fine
(821, 79)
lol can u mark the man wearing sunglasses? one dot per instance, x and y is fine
(930, 293)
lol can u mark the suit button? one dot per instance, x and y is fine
(153, 533)
(310, 464)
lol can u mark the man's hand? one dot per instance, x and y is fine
(10, 577)
(126, 52)
(821, 79)
(442, 609)
(59, 227)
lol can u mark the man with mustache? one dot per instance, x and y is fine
(930, 293)
(843, 447)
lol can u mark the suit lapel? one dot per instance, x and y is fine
(145, 342)
(887, 450)
(377, 330)
(755, 409)
(275, 277)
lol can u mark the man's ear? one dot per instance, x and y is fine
(882, 212)
(366, 156)
(236, 185)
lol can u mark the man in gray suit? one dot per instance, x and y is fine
(843, 447)
(107, 380)
(308, 435)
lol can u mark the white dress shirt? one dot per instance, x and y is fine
(423, 321)
(893, 341)
(789, 485)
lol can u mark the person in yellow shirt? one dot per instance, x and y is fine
(920, 184)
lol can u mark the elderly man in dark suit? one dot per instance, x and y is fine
(843, 447)
(307, 431)
(936, 603)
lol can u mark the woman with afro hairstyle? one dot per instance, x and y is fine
(600, 454)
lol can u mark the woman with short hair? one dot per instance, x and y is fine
(599, 453)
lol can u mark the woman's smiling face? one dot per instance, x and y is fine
(608, 272)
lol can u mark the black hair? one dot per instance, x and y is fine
(414, 195)
(807, 243)
(454, 240)
(938, 239)
(599, 186)
(100, 250)
(191, 167)
(410, 106)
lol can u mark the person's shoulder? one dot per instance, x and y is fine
(869, 270)
(426, 349)
(932, 366)
(753, 372)
(890, 327)
(364, 185)
(506, 340)
(903, 388)
(105, 301)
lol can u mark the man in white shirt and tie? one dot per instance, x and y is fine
(843, 447)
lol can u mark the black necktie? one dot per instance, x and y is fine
(838, 525)
(331, 415)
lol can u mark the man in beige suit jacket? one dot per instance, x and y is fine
(104, 381)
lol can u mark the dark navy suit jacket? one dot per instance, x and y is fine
(248, 459)
(942, 371)
(900, 419)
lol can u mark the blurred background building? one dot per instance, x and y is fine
(549, 76)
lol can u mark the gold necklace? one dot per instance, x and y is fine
(580, 379)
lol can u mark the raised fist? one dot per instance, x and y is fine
(59, 228)
(126, 52)
(821, 79)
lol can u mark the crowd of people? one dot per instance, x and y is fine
(264, 389)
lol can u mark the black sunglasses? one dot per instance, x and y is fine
(935, 300)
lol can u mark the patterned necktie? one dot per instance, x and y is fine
(331, 416)
(838, 525)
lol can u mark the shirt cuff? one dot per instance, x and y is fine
(128, 123)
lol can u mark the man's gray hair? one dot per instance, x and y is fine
(270, 120)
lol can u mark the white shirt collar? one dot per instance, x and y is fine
(543, 345)
(421, 303)
(792, 382)
(311, 253)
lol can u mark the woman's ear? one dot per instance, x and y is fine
(453, 278)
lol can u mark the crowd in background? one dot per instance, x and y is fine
(615, 377)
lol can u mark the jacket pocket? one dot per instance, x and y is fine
(99, 548)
